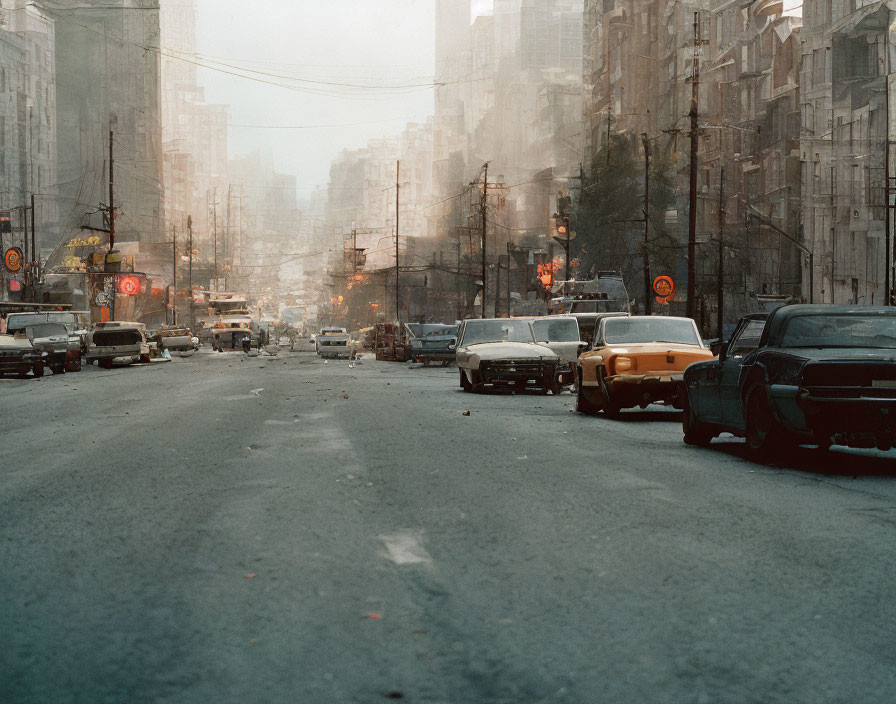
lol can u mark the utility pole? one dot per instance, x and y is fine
(190, 284)
(174, 275)
(720, 290)
(25, 236)
(648, 284)
(111, 193)
(509, 262)
(215, 231)
(887, 293)
(484, 236)
(111, 215)
(35, 257)
(397, 194)
(227, 234)
(692, 212)
(609, 125)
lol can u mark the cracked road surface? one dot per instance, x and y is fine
(222, 529)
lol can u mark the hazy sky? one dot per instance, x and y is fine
(356, 42)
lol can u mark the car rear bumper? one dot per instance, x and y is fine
(630, 390)
(123, 352)
(335, 352)
(19, 366)
(851, 421)
(433, 355)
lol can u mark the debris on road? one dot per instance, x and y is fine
(251, 575)
(465, 413)
(374, 617)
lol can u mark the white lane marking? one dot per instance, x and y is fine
(405, 548)
(277, 422)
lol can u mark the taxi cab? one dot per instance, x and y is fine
(637, 361)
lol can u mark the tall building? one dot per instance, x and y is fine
(108, 79)
(846, 85)
(194, 132)
(27, 138)
(28, 160)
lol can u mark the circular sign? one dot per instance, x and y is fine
(129, 285)
(13, 259)
(664, 286)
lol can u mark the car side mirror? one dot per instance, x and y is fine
(723, 353)
(453, 344)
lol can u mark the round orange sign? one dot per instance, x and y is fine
(664, 286)
(13, 259)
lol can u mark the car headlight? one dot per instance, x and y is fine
(622, 364)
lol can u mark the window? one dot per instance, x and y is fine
(747, 340)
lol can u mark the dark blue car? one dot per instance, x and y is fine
(808, 374)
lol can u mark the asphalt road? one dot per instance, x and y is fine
(221, 529)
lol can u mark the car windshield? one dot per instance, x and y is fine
(432, 330)
(479, 331)
(589, 306)
(26, 320)
(557, 330)
(842, 330)
(46, 330)
(655, 329)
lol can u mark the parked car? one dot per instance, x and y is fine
(504, 352)
(61, 349)
(431, 342)
(561, 334)
(175, 338)
(118, 343)
(17, 356)
(333, 343)
(76, 322)
(588, 323)
(636, 361)
(817, 374)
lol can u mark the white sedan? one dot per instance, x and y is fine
(503, 352)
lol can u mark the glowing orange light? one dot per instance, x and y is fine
(129, 285)
(545, 273)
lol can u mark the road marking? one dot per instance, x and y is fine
(405, 548)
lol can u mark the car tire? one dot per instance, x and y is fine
(57, 369)
(74, 365)
(695, 432)
(611, 408)
(765, 439)
(38, 370)
(464, 382)
(105, 363)
(583, 405)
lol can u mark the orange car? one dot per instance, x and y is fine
(636, 361)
